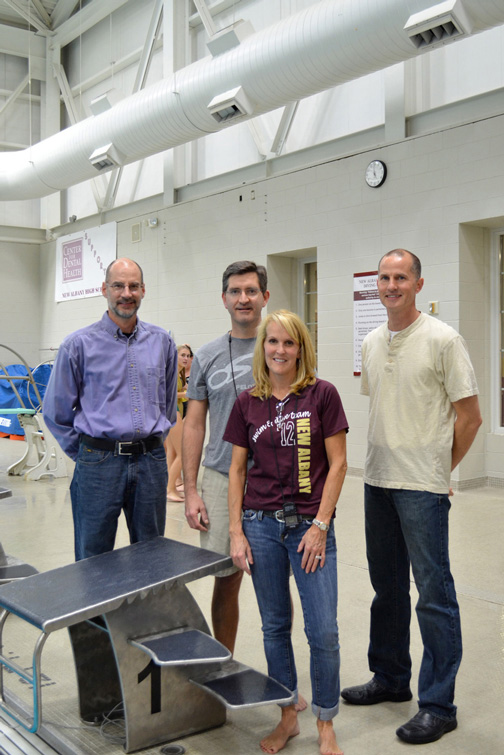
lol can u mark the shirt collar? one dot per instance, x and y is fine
(405, 332)
(109, 325)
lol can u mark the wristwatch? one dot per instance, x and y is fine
(321, 525)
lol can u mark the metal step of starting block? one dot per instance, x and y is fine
(12, 568)
(239, 686)
(182, 647)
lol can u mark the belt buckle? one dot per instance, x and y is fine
(279, 516)
(120, 445)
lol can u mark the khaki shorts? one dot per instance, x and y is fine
(214, 491)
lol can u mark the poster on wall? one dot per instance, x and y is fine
(369, 312)
(81, 261)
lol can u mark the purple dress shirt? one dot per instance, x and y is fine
(109, 385)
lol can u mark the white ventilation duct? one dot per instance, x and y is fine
(327, 44)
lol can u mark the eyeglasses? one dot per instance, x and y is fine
(251, 293)
(119, 287)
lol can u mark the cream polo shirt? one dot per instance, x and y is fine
(412, 382)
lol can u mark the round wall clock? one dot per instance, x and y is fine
(376, 173)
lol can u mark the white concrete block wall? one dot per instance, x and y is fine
(435, 185)
(20, 320)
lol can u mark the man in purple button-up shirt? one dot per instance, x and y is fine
(110, 403)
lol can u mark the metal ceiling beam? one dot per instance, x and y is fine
(85, 19)
(25, 44)
(148, 48)
(284, 127)
(12, 146)
(62, 12)
(177, 162)
(29, 14)
(21, 42)
(259, 136)
(218, 7)
(176, 40)
(15, 94)
(206, 17)
(73, 115)
(66, 93)
(104, 74)
(28, 97)
(44, 15)
(22, 236)
(140, 79)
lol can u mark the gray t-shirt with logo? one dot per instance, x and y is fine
(212, 379)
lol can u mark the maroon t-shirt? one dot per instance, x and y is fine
(287, 445)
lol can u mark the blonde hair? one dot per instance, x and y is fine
(306, 363)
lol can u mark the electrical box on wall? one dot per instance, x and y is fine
(433, 307)
(135, 232)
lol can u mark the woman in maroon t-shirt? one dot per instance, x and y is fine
(294, 426)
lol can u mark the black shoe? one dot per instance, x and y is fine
(425, 727)
(373, 692)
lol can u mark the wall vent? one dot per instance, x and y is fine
(106, 157)
(438, 25)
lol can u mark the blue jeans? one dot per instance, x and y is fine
(104, 484)
(273, 558)
(404, 526)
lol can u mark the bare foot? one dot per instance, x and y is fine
(301, 704)
(174, 498)
(327, 738)
(287, 728)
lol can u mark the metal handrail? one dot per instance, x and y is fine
(30, 723)
(28, 377)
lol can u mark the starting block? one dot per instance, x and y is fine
(12, 568)
(42, 455)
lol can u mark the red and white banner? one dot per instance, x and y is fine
(369, 312)
(81, 261)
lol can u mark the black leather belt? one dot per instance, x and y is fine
(121, 447)
(279, 516)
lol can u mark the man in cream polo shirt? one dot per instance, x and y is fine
(423, 417)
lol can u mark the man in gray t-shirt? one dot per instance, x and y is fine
(213, 379)
(220, 371)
